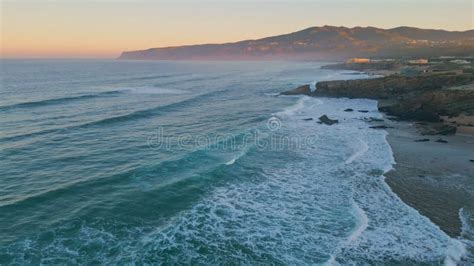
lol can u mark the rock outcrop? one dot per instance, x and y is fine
(327, 121)
(302, 90)
(422, 140)
(430, 106)
(421, 98)
(444, 98)
(437, 129)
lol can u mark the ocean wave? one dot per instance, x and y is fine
(466, 253)
(127, 244)
(192, 79)
(362, 225)
(242, 153)
(152, 90)
(272, 93)
(151, 77)
(147, 178)
(192, 175)
(59, 100)
(140, 114)
(117, 91)
(293, 109)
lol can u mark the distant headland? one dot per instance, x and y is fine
(325, 43)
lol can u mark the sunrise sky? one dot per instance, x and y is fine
(104, 28)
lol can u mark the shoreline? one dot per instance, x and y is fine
(435, 178)
(429, 120)
(432, 173)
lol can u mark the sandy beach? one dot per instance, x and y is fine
(436, 178)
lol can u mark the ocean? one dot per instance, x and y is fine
(119, 162)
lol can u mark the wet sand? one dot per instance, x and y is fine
(437, 179)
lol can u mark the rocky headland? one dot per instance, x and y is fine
(425, 98)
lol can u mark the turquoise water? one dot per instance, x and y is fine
(196, 163)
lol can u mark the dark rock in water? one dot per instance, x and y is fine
(373, 119)
(326, 120)
(363, 111)
(349, 110)
(380, 127)
(442, 141)
(393, 118)
(302, 90)
(422, 140)
(471, 161)
(308, 119)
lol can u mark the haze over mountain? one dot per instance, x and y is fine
(324, 43)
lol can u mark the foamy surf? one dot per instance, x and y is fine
(362, 148)
(373, 150)
(296, 109)
(292, 110)
(238, 156)
(363, 223)
(361, 226)
(454, 253)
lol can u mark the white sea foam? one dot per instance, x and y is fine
(297, 108)
(362, 149)
(238, 156)
(467, 228)
(363, 223)
(292, 110)
(272, 94)
(455, 251)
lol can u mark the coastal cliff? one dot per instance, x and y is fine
(431, 106)
(444, 98)
(421, 98)
(389, 87)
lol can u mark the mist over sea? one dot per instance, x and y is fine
(197, 163)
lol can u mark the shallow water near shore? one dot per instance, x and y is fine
(198, 163)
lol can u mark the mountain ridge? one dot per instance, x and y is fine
(325, 42)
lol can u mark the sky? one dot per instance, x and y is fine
(105, 28)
